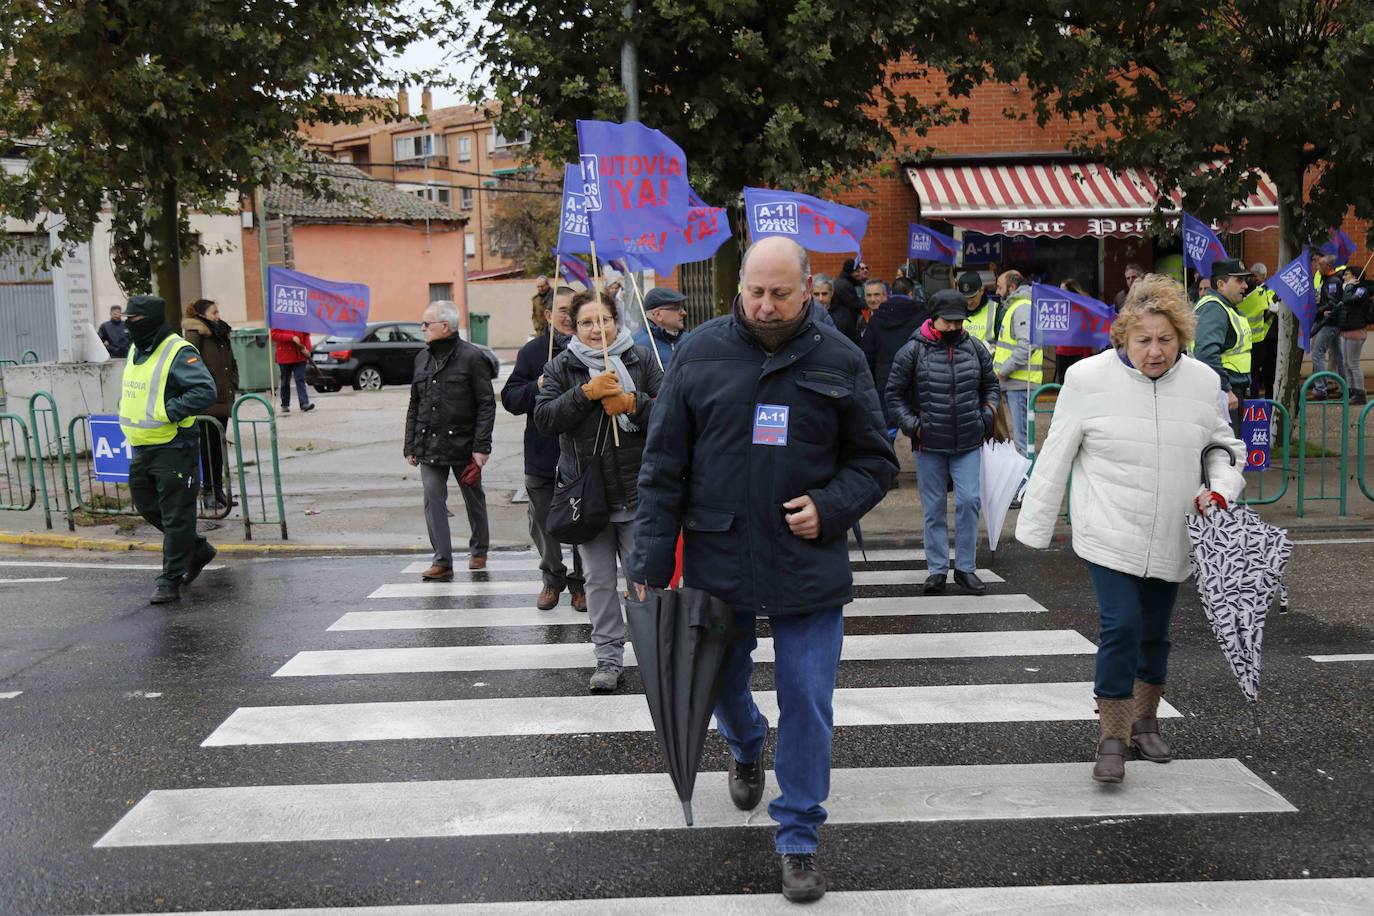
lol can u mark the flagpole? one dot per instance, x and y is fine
(639, 297)
(605, 349)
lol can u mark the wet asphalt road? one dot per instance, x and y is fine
(117, 696)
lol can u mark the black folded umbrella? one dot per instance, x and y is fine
(681, 640)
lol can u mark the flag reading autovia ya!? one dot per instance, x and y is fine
(815, 224)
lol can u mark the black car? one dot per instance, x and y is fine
(385, 355)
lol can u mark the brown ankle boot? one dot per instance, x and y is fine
(438, 573)
(1145, 732)
(1114, 730)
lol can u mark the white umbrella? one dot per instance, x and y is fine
(1003, 470)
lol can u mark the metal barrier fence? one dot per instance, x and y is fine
(24, 357)
(14, 435)
(1279, 414)
(253, 425)
(1304, 402)
(3, 364)
(47, 445)
(96, 496)
(1361, 431)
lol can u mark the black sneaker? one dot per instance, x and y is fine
(746, 783)
(935, 584)
(970, 582)
(306, 408)
(197, 564)
(286, 408)
(802, 881)
(165, 593)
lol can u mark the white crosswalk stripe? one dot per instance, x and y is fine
(1309, 896)
(628, 713)
(502, 563)
(577, 655)
(564, 615)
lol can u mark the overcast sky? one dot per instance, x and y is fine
(456, 61)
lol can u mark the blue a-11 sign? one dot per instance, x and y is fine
(110, 450)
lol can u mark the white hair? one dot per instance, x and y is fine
(447, 312)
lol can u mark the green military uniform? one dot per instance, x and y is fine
(165, 385)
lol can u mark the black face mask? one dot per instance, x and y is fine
(144, 332)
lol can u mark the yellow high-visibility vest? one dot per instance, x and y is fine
(1006, 345)
(1236, 359)
(979, 325)
(1255, 309)
(142, 399)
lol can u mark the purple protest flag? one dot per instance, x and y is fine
(927, 244)
(1060, 318)
(1340, 246)
(300, 302)
(574, 230)
(815, 224)
(573, 269)
(706, 229)
(634, 183)
(1292, 283)
(1200, 245)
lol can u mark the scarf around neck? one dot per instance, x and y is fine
(771, 335)
(592, 358)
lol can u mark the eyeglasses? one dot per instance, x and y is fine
(587, 324)
(425, 325)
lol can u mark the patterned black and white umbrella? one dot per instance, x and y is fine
(1239, 559)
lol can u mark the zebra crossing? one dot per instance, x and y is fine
(278, 808)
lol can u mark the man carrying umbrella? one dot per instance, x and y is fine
(766, 445)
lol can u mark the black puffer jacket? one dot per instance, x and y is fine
(943, 391)
(888, 331)
(847, 306)
(452, 407)
(1354, 312)
(561, 408)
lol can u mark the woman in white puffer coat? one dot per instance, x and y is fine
(1131, 424)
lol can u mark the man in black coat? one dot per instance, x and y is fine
(114, 334)
(889, 329)
(847, 304)
(541, 452)
(766, 445)
(943, 394)
(448, 427)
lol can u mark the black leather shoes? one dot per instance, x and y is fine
(970, 582)
(802, 881)
(935, 585)
(165, 593)
(198, 564)
(746, 783)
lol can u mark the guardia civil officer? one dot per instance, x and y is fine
(165, 386)
(765, 445)
(1223, 339)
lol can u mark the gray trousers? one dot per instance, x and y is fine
(1327, 343)
(1354, 372)
(551, 565)
(435, 479)
(600, 554)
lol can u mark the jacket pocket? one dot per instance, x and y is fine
(703, 518)
(826, 382)
(711, 556)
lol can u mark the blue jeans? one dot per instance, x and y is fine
(1018, 402)
(933, 473)
(1326, 345)
(807, 652)
(287, 371)
(1133, 638)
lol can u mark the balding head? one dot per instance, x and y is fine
(775, 280)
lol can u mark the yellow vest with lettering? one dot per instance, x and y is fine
(979, 325)
(1237, 358)
(1006, 345)
(1255, 309)
(142, 399)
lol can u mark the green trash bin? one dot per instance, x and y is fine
(477, 328)
(253, 352)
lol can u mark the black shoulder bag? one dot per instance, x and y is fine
(578, 511)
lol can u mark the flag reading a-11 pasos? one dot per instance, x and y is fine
(300, 302)
(815, 224)
(574, 230)
(1060, 318)
(928, 245)
(1200, 245)
(1340, 246)
(1293, 284)
(634, 185)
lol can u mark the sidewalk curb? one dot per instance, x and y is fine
(74, 542)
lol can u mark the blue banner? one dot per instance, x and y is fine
(1200, 245)
(1254, 432)
(1060, 318)
(929, 245)
(573, 269)
(706, 229)
(111, 453)
(634, 185)
(815, 224)
(1293, 284)
(1340, 246)
(300, 302)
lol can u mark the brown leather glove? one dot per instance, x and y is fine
(621, 402)
(601, 386)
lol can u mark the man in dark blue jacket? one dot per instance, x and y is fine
(667, 311)
(541, 452)
(943, 393)
(766, 445)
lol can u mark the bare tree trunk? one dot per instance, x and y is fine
(166, 252)
(1288, 374)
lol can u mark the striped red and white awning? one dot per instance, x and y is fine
(1061, 199)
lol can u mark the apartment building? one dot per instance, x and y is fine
(452, 156)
